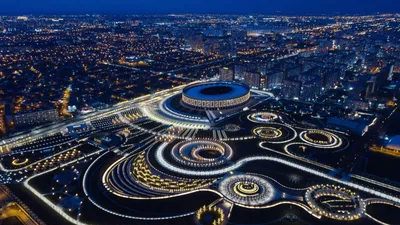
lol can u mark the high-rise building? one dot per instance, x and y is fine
(266, 82)
(35, 118)
(370, 89)
(240, 69)
(384, 76)
(311, 89)
(2, 118)
(294, 71)
(355, 89)
(357, 104)
(274, 79)
(290, 89)
(331, 78)
(305, 77)
(225, 74)
(195, 42)
(221, 46)
(252, 79)
(262, 68)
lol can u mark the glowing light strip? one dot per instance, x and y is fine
(233, 195)
(301, 205)
(336, 141)
(163, 107)
(16, 162)
(167, 121)
(167, 165)
(18, 152)
(376, 220)
(2, 168)
(223, 148)
(47, 201)
(317, 191)
(252, 117)
(123, 215)
(285, 141)
(214, 104)
(296, 157)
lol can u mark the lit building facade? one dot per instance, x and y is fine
(35, 118)
(291, 89)
(217, 95)
(252, 79)
(311, 89)
(225, 74)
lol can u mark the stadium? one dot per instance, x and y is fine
(215, 95)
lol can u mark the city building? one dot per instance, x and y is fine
(35, 118)
(226, 74)
(357, 104)
(274, 79)
(370, 89)
(252, 79)
(331, 78)
(394, 143)
(240, 70)
(290, 89)
(348, 126)
(311, 89)
(3, 123)
(145, 125)
(294, 71)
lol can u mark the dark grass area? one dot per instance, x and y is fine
(13, 220)
(42, 210)
(285, 175)
(35, 156)
(276, 215)
(167, 207)
(142, 208)
(385, 213)
(382, 165)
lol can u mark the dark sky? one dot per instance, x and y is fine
(199, 6)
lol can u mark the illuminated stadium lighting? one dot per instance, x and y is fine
(212, 96)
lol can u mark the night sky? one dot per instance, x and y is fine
(199, 6)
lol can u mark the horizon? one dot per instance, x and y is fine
(199, 113)
(289, 7)
(205, 13)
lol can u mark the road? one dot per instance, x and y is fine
(40, 131)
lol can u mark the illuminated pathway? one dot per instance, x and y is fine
(138, 169)
(222, 171)
(102, 113)
(85, 178)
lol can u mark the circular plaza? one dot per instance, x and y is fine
(320, 138)
(263, 117)
(247, 190)
(201, 153)
(334, 202)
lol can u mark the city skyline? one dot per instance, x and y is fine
(199, 119)
(199, 7)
